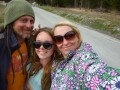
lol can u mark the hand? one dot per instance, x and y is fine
(36, 29)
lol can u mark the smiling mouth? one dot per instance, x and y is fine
(27, 32)
(42, 53)
(67, 46)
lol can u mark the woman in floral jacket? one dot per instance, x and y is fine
(80, 67)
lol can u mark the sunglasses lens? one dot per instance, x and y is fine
(47, 45)
(37, 44)
(58, 39)
(70, 35)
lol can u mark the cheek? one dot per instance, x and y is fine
(77, 42)
(36, 51)
(59, 46)
(51, 51)
(17, 27)
(16, 24)
(32, 26)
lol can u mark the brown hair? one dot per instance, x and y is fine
(35, 64)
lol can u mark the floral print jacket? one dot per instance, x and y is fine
(83, 70)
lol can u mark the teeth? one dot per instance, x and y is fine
(42, 52)
(65, 48)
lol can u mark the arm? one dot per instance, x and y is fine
(95, 74)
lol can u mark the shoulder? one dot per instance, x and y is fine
(1, 32)
(86, 57)
(85, 47)
(1, 35)
(2, 41)
(85, 52)
(1, 27)
(27, 67)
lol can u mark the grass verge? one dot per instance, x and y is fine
(108, 23)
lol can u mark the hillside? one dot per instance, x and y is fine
(107, 23)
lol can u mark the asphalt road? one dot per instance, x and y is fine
(108, 48)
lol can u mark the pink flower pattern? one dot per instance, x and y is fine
(83, 70)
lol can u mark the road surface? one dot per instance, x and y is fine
(108, 48)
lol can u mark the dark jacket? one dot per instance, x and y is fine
(8, 44)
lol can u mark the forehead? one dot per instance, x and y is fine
(61, 30)
(26, 17)
(44, 36)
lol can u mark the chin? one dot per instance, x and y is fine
(65, 54)
(26, 36)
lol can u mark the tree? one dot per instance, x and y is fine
(90, 4)
(6, 0)
(75, 3)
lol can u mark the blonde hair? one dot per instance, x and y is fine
(74, 28)
(67, 23)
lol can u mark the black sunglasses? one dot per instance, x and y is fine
(46, 45)
(68, 36)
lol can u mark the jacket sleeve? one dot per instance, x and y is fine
(95, 74)
(4, 62)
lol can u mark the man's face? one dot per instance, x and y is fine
(23, 26)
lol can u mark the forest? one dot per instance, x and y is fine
(105, 5)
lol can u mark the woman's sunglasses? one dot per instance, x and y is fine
(46, 45)
(68, 36)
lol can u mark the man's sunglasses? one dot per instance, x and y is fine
(46, 45)
(68, 36)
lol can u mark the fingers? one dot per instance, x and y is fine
(36, 29)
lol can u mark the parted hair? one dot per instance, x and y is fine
(67, 23)
(35, 64)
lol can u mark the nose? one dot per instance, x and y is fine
(41, 47)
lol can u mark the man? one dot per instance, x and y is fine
(18, 23)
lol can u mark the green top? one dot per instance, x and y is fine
(35, 80)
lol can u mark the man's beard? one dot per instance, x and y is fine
(24, 36)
